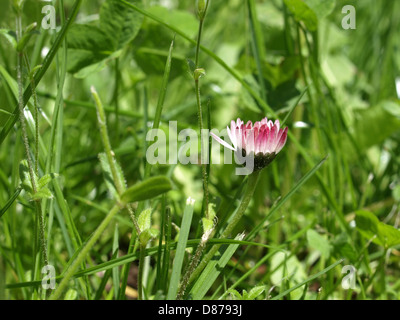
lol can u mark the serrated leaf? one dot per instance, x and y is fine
(144, 220)
(120, 21)
(302, 12)
(147, 189)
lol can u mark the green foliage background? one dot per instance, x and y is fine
(260, 56)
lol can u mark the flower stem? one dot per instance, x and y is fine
(251, 186)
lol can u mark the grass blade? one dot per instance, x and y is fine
(180, 250)
(212, 271)
(10, 202)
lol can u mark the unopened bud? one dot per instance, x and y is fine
(198, 73)
(201, 8)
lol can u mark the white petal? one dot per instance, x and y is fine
(222, 141)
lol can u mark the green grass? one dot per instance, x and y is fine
(329, 200)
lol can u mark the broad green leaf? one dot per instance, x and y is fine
(381, 233)
(393, 108)
(11, 36)
(302, 12)
(321, 8)
(97, 67)
(180, 19)
(255, 292)
(71, 295)
(87, 45)
(120, 22)
(152, 61)
(389, 235)
(286, 265)
(318, 242)
(144, 220)
(343, 248)
(375, 124)
(147, 189)
(90, 44)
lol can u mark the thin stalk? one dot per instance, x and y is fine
(142, 256)
(36, 113)
(201, 16)
(101, 116)
(31, 167)
(193, 264)
(251, 187)
(119, 184)
(203, 165)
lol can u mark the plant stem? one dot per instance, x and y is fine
(85, 250)
(106, 141)
(251, 186)
(193, 264)
(36, 114)
(142, 256)
(200, 111)
(31, 167)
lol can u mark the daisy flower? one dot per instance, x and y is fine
(262, 141)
